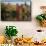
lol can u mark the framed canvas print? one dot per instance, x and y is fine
(16, 10)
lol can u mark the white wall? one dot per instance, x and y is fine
(26, 28)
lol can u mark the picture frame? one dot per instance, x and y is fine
(12, 10)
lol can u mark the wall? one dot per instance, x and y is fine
(27, 28)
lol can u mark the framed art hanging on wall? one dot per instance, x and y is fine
(16, 10)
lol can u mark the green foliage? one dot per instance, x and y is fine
(11, 31)
(41, 17)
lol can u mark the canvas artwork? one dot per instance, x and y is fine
(16, 10)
